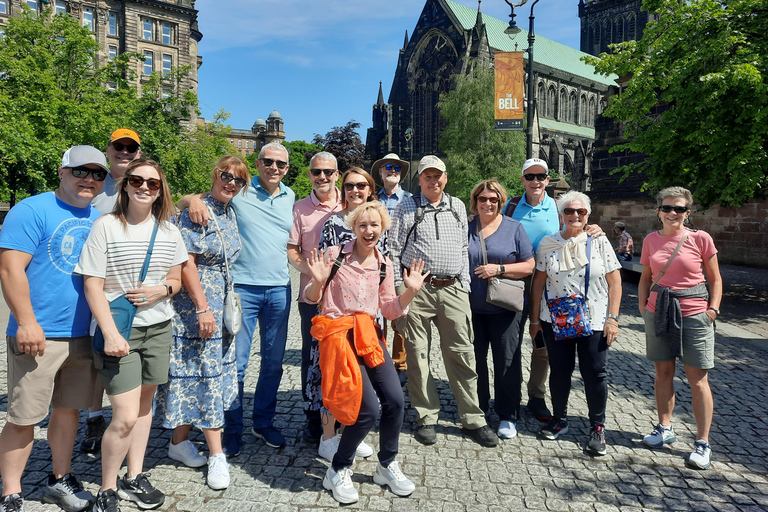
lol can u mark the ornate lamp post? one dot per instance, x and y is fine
(514, 29)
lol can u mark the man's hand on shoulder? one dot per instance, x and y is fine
(595, 231)
(198, 212)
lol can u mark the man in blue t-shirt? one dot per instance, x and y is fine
(49, 347)
(264, 220)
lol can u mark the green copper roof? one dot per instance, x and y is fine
(545, 51)
(573, 129)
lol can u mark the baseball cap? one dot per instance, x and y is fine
(535, 162)
(124, 133)
(431, 162)
(77, 156)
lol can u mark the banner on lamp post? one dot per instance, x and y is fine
(509, 87)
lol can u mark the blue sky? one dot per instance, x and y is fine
(319, 63)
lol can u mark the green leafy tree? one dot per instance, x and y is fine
(345, 144)
(301, 152)
(696, 96)
(474, 150)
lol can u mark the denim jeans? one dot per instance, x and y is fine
(270, 306)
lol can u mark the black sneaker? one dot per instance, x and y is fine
(94, 431)
(140, 491)
(538, 407)
(554, 429)
(106, 501)
(596, 443)
(483, 436)
(12, 503)
(426, 434)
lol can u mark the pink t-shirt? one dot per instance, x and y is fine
(309, 215)
(685, 271)
(356, 289)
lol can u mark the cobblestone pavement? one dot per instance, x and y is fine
(522, 473)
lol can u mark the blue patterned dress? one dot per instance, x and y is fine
(202, 381)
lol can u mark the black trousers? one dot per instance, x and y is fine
(593, 352)
(307, 312)
(500, 332)
(380, 384)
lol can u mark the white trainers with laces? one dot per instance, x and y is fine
(218, 472)
(327, 448)
(186, 453)
(363, 450)
(341, 485)
(660, 436)
(699, 458)
(507, 430)
(393, 477)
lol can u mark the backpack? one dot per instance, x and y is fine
(512, 206)
(420, 217)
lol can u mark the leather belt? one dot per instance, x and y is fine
(438, 281)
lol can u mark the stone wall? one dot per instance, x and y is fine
(740, 234)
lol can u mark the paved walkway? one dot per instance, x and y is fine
(521, 474)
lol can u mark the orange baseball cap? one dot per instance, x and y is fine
(124, 133)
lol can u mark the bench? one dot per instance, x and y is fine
(631, 270)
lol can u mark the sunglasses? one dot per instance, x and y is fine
(351, 186)
(137, 181)
(392, 167)
(666, 208)
(131, 148)
(82, 172)
(539, 177)
(328, 172)
(492, 200)
(227, 177)
(571, 211)
(268, 162)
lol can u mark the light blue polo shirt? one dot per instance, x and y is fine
(264, 222)
(392, 201)
(538, 221)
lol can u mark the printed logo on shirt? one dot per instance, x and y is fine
(67, 242)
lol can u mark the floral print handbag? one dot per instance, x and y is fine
(570, 315)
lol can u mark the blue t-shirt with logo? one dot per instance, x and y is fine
(53, 232)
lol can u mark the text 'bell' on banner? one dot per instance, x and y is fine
(509, 85)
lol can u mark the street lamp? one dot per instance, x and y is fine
(514, 29)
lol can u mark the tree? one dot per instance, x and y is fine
(301, 152)
(695, 101)
(345, 144)
(474, 150)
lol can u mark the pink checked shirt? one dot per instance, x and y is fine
(355, 289)
(309, 215)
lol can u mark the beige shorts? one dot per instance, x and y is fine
(64, 377)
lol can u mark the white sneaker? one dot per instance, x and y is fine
(218, 472)
(507, 430)
(363, 450)
(394, 478)
(327, 448)
(341, 485)
(186, 453)
(699, 458)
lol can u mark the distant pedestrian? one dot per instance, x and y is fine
(48, 344)
(679, 313)
(626, 246)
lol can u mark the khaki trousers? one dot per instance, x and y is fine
(449, 308)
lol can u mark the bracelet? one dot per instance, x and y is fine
(536, 323)
(203, 311)
(608, 320)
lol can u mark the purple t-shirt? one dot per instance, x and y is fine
(509, 244)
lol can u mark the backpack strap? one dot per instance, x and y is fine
(335, 268)
(382, 272)
(512, 206)
(418, 217)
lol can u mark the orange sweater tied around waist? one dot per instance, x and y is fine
(342, 383)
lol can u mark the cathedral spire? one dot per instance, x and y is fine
(405, 43)
(380, 101)
(479, 20)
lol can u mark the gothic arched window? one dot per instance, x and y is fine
(573, 108)
(631, 28)
(591, 115)
(607, 34)
(562, 114)
(596, 38)
(551, 102)
(540, 99)
(618, 34)
(583, 110)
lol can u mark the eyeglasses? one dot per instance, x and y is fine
(268, 162)
(359, 186)
(483, 199)
(539, 177)
(392, 167)
(571, 211)
(82, 172)
(227, 177)
(131, 148)
(137, 181)
(666, 208)
(328, 172)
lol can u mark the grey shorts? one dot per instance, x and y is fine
(698, 341)
(147, 362)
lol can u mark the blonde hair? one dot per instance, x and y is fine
(162, 208)
(236, 164)
(354, 216)
(494, 186)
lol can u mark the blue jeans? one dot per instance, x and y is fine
(270, 305)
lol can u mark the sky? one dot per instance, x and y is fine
(319, 63)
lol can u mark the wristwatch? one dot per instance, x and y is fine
(717, 311)
(169, 290)
(615, 317)
(502, 269)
